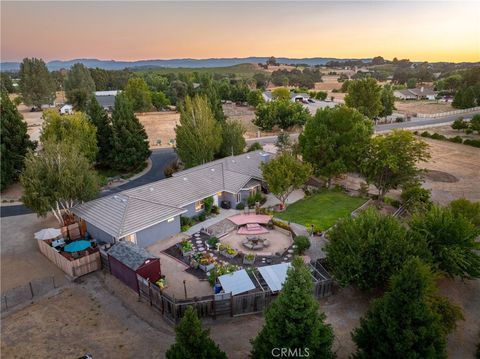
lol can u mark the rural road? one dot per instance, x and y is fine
(163, 157)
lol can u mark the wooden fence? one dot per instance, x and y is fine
(73, 268)
(221, 305)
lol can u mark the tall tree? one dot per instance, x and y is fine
(57, 179)
(388, 101)
(391, 160)
(365, 95)
(74, 128)
(160, 100)
(36, 85)
(284, 174)
(404, 323)
(100, 119)
(130, 141)
(293, 320)
(284, 143)
(139, 94)
(79, 86)
(6, 83)
(280, 113)
(335, 140)
(365, 251)
(191, 341)
(233, 142)
(14, 141)
(451, 239)
(198, 134)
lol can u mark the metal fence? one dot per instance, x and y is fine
(214, 306)
(27, 292)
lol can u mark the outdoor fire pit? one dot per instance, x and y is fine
(255, 243)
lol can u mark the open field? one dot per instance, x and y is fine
(422, 107)
(329, 83)
(460, 161)
(322, 209)
(244, 114)
(159, 126)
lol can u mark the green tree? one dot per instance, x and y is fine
(79, 86)
(391, 160)
(191, 341)
(451, 240)
(460, 124)
(404, 323)
(416, 198)
(335, 140)
(293, 320)
(284, 143)
(388, 101)
(198, 134)
(139, 94)
(411, 83)
(475, 124)
(160, 100)
(6, 84)
(281, 93)
(469, 210)
(14, 141)
(254, 98)
(256, 146)
(280, 113)
(36, 85)
(130, 141)
(100, 119)
(366, 96)
(233, 142)
(365, 251)
(75, 129)
(284, 174)
(57, 179)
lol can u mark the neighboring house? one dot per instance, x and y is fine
(294, 97)
(126, 261)
(421, 93)
(146, 214)
(66, 109)
(106, 99)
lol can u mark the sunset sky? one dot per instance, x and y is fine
(431, 31)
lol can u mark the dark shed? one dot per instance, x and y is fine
(127, 260)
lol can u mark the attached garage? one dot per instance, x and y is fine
(127, 260)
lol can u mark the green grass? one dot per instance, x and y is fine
(241, 70)
(322, 210)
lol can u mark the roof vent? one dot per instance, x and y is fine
(124, 200)
(212, 169)
(185, 178)
(248, 157)
(233, 161)
(115, 197)
(151, 189)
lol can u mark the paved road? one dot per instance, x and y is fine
(163, 157)
(160, 159)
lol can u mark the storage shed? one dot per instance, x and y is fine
(127, 260)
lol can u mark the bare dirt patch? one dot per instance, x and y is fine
(329, 82)
(244, 114)
(422, 107)
(440, 176)
(160, 126)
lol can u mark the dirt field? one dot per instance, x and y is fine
(159, 126)
(460, 161)
(329, 83)
(422, 106)
(244, 114)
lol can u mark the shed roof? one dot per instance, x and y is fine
(130, 254)
(236, 282)
(275, 275)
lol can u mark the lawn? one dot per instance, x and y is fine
(322, 209)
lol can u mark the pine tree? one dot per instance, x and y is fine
(293, 320)
(130, 141)
(15, 141)
(192, 341)
(403, 324)
(36, 84)
(79, 86)
(99, 117)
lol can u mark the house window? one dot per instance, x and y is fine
(199, 206)
(239, 197)
(253, 191)
(131, 238)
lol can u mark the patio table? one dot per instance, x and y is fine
(77, 246)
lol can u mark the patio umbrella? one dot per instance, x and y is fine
(48, 233)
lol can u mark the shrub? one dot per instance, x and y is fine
(281, 224)
(474, 143)
(437, 136)
(208, 204)
(302, 243)
(456, 139)
(468, 131)
(212, 241)
(399, 119)
(171, 169)
(425, 134)
(186, 221)
(255, 147)
(251, 200)
(240, 206)
(184, 228)
(202, 217)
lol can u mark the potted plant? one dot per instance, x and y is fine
(195, 262)
(207, 263)
(212, 242)
(162, 283)
(186, 247)
(227, 251)
(249, 259)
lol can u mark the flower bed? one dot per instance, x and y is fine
(249, 259)
(186, 247)
(227, 251)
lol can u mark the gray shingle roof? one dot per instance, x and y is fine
(130, 254)
(135, 209)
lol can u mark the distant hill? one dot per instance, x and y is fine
(173, 63)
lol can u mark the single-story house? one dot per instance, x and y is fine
(106, 99)
(294, 97)
(421, 93)
(146, 214)
(127, 260)
(66, 109)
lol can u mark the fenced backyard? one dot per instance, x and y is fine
(224, 305)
